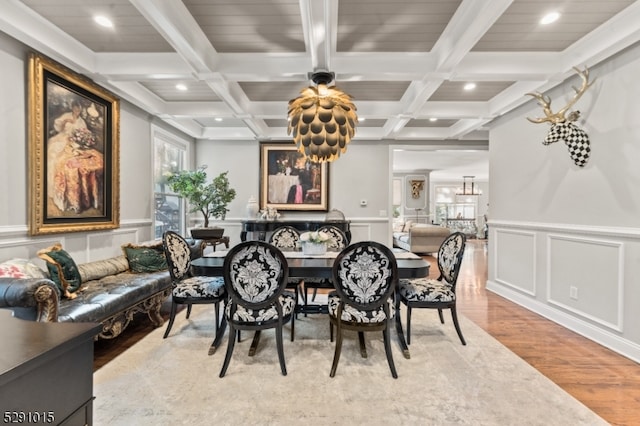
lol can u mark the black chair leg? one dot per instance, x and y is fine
(306, 298)
(454, 315)
(283, 366)
(293, 325)
(172, 317)
(441, 316)
(387, 349)
(363, 345)
(336, 355)
(227, 358)
(189, 310)
(408, 325)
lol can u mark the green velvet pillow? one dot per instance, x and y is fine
(62, 270)
(145, 258)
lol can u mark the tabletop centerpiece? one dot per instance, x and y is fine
(314, 242)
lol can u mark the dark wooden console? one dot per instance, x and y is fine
(46, 371)
(262, 227)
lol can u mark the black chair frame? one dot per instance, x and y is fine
(235, 299)
(382, 301)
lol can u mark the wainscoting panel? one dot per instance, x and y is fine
(515, 260)
(593, 291)
(23, 248)
(109, 244)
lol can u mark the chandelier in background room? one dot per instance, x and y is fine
(322, 120)
(468, 188)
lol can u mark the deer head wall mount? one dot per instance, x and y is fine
(562, 125)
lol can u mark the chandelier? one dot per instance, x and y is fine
(322, 119)
(468, 189)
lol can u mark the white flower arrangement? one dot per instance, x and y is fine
(315, 237)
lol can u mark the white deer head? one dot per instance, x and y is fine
(563, 128)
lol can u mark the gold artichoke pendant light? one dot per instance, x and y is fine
(322, 120)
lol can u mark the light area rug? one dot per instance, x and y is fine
(174, 381)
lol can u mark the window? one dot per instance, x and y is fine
(168, 157)
(451, 206)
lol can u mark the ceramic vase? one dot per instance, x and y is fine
(252, 208)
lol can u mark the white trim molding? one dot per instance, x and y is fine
(619, 283)
(599, 335)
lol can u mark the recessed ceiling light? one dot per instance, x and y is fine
(549, 18)
(361, 119)
(103, 21)
(218, 118)
(469, 86)
(433, 119)
(181, 86)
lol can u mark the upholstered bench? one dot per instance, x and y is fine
(110, 293)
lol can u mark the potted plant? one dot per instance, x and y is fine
(209, 199)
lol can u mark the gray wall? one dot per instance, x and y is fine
(362, 173)
(136, 201)
(564, 240)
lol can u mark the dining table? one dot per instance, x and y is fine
(302, 266)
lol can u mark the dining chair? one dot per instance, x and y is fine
(186, 288)
(338, 241)
(255, 276)
(365, 275)
(436, 293)
(287, 238)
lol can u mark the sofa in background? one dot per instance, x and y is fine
(419, 238)
(110, 293)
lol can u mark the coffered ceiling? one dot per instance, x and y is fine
(403, 61)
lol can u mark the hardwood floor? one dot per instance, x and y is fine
(607, 383)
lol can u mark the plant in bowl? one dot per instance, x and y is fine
(314, 242)
(210, 199)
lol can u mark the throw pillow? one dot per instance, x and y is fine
(21, 268)
(145, 258)
(63, 271)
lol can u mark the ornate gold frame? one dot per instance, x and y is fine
(50, 84)
(315, 176)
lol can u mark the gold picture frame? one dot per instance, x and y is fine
(289, 181)
(73, 131)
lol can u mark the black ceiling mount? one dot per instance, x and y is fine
(322, 77)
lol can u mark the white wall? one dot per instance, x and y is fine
(362, 173)
(136, 201)
(565, 240)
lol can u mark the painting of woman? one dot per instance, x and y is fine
(75, 163)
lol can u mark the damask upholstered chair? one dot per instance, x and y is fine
(255, 277)
(365, 276)
(439, 293)
(188, 289)
(338, 241)
(287, 238)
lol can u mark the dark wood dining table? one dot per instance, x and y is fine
(317, 267)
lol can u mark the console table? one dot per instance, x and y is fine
(263, 226)
(46, 371)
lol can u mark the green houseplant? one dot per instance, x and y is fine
(209, 199)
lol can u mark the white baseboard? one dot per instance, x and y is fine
(603, 337)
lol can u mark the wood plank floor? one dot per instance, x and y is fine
(604, 381)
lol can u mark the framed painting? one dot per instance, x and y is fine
(289, 181)
(73, 151)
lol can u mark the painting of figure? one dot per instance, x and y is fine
(73, 151)
(289, 181)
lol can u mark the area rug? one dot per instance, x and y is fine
(174, 381)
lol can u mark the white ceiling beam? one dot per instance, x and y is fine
(179, 28)
(319, 25)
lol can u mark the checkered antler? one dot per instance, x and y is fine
(562, 128)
